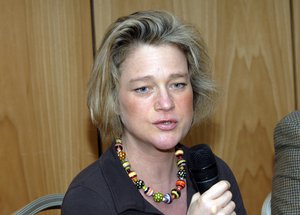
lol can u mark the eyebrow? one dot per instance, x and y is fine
(144, 78)
(151, 77)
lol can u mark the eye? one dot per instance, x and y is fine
(178, 85)
(142, 90)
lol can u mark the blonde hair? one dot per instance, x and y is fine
(153, 28)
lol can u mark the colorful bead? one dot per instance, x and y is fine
(175, 194)
(122, 155)
(139, 184)
(179, 157)
(180, 184)
(132, 175)
(167, 198)
(181, 162)
(158, 197)
(149, 191)
(126, 165)
(181, 174)
(118, 147)
(178, 153)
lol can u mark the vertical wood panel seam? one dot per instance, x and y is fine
(99, 140)
(93, 27)
(293, 41)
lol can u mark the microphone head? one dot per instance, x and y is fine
(203, 167)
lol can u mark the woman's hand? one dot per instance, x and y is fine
(216, 200)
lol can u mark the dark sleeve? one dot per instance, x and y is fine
(225, 173)
(81, 200)
(285, 197)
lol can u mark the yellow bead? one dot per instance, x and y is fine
(121, 155)
(179, 152)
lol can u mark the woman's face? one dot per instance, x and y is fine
(155, 96)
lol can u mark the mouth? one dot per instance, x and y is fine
(166, 125)
(167, 122)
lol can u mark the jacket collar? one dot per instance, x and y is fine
(125, 195)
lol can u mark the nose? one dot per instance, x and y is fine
(164, 101)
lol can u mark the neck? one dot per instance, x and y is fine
(157, 168)
(150, 159)
(162, 181)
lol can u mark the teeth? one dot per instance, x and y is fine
(167, 123)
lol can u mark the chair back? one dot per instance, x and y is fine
(47, 202)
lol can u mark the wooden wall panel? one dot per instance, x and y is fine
(45, 132)
(296, 22)
(252, 57)
(251, 50)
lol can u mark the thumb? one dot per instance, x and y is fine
(193, 204)
(195, 197)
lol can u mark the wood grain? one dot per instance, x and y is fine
(45, 57)
(251, 47)
(251, 50)
(45, 133)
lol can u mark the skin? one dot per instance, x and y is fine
(215, 201)
(155, 97)
(156, 108)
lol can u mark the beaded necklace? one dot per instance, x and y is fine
(140, 184)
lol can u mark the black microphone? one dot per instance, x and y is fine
(203, 167)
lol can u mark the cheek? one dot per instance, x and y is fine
(187, 103)
(129, 107)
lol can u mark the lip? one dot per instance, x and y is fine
(166, 124)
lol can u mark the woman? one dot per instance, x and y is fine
(149, 84)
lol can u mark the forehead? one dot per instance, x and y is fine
(153, 60)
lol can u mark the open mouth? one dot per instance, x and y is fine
(166, 125)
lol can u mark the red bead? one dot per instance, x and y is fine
(180, 184)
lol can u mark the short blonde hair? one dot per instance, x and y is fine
(153, 28)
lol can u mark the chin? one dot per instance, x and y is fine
(167, 144)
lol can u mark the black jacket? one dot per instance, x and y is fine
(105, 188)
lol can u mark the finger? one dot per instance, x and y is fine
(214, 209)
(221, 202)
(228, 209)
(216, 190)
(224, 199)
(194, 205)
(195, 197)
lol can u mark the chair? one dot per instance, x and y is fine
(266, 207)
(47, 202)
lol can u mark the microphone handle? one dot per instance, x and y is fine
(205, 185)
